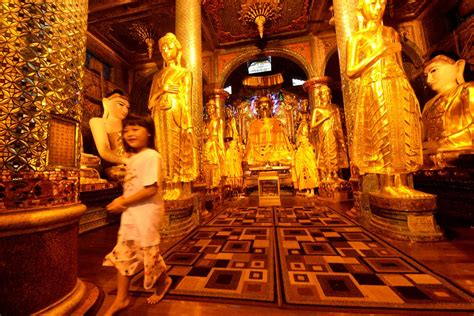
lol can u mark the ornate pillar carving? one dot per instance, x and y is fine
(188, 32)
(42, 49)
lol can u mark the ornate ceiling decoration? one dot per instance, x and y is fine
(224, 20)
(115, 21)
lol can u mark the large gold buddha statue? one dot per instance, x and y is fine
(170, 105)
(107, 132)
(327, 128)
(387, 128)
(448, 118)
(213, 150)
(267, 142)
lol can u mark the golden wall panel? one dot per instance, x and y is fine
(42, 55)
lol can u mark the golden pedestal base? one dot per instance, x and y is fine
(181, 216)
(38, 251)
(335, 191)
(404, 218)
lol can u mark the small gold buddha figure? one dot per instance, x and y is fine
(233, 165)
(326, 126)
(245, 118)
(170, 105)
(267, 143)
(306, 169)
(107, 133)
(448, 118)
(387, 127)
(213, 149)
(285, 114)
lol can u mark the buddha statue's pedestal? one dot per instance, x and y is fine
(181, 215)
(335, 191)
(404, 218)
(251, 175)
(269, 189)
(454, 188)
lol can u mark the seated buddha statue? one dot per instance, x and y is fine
(448, 118)
(107, 133)
(267, 142)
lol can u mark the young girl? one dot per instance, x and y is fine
(141, 206)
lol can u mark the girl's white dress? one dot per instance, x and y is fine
(138, 237)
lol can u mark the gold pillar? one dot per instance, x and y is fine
(42, 49)
(317, 56)
(310, 86)
(188, 32)
(346, 24)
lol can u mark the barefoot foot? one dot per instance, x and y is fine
(117, 306)
(160, 291)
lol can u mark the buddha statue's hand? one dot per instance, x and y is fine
(171, 88)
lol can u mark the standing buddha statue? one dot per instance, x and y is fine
(213, 150)
(170, 105)
(306, 169)
(327, 127)
(387, 128)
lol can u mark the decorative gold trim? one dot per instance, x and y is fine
(67, 304)
(35, 220)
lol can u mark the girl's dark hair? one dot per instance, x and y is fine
(140, 120)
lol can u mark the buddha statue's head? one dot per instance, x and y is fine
(324, 93)
(229, 113)
(371, 10)
(170, 48)
(443, 73)
(116, 105)
(212, 108)
(264, 107)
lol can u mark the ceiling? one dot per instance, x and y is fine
(112, 21)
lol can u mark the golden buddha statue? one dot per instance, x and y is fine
(233, 153)
(285, 114)
(170, 105)
(267, 143)
(448, 118)
(213, 149)
(245, 117)
(231, 132)
(326, 126)
(387, 127)
(306, 169)
(233, 165)
(107, 133)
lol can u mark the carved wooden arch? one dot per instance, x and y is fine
(249, 54)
